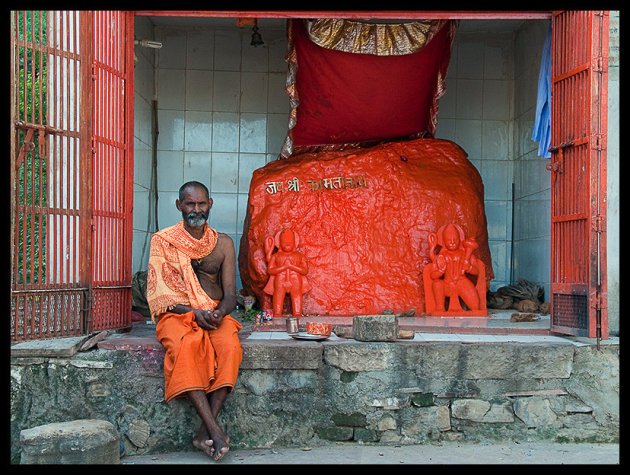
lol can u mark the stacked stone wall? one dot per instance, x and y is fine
(295, 393)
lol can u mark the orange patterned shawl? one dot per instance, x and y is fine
(171, 279)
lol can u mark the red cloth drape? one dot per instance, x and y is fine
(348, 98)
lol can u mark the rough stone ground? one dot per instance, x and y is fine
(446, 453)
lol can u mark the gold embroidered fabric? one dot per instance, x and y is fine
(382, 39)
(171, 279)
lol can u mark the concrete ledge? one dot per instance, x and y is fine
(131, 343)
(57, 347)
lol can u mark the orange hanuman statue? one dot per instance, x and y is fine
(287, 269)
(447, 275)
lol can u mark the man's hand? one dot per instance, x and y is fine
(216, 317)
(208, 319)
(205, 319)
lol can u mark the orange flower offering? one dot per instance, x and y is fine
(317, 328)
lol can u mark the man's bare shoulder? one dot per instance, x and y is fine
(223, 238)
(224, 242)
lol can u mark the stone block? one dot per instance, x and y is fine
(535, 411)
(265, 354)
(84, 441)
(390, 437)
(335, 433)
(355, 419)
(348, 376)
(433, 360)
(375, 327)
(471, 409)
(499, 413)
(55, 348)
(389, 403)
(356, 357)
(387, 422)
(489, 361)
(544, 361)
(517, 361)
(422, 399)
(595, 380)
(365, 435)
(427, 420)
(130, 343)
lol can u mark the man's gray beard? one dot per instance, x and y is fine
(196, 220)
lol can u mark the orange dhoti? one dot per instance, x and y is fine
(198, 359)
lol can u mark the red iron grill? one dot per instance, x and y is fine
(71, 172)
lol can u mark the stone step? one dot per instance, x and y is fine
(83, 441)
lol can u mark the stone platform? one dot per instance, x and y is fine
(459, 384)
(496, 323)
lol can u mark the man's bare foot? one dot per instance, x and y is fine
(212, 450)
(220, 447)
(204, 445)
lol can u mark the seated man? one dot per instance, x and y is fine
(191, 289)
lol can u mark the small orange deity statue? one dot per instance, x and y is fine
(287, 269)
(451, 272)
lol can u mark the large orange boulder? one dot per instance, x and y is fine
(363, 217)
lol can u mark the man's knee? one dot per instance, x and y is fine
(230, 348)
(237, 349)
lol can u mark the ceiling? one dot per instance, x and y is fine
(471, 26)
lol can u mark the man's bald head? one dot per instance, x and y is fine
(192, 184)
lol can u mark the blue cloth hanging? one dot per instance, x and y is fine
(542, 124)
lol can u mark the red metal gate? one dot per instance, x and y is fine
(58, 240)
(112, 168)
(578, 166)
(47, 289)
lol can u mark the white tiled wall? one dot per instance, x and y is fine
(143, 200)
(222, 113)
(532, 182)
(612, 158)
(476, 113)
(488, 109)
